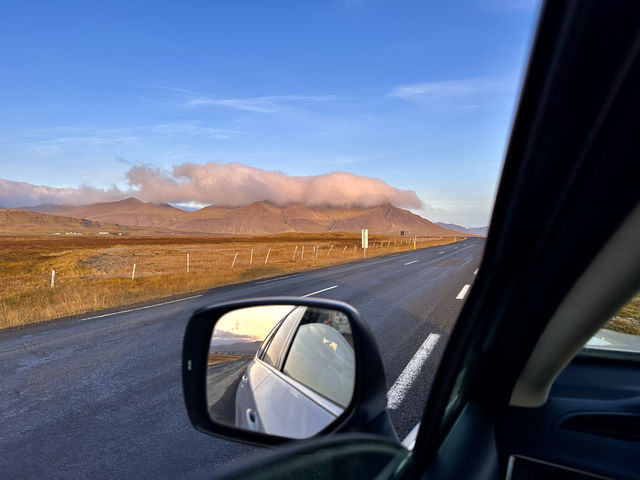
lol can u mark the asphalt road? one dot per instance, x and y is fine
(222, 384)
(101, 396)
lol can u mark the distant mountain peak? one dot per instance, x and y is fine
(130, 201)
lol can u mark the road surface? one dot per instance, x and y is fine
(100, 396)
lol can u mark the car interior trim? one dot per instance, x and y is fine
(611, 278)
(516, 460)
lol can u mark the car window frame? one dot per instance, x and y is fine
(294, 316)
(267, 341)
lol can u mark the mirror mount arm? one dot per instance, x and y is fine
(380, 425)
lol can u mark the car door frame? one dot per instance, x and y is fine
(509, 305)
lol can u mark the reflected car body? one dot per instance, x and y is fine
(270, 400)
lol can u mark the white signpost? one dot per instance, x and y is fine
(365, 241)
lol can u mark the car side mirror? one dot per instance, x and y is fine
(273, 370)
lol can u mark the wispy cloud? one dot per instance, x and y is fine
(465, 94)
(260, 104)
(43, 142)
(195, 129)
(268, 104)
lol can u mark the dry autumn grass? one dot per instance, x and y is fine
(94, 272)
(627, 320)
(219, 358)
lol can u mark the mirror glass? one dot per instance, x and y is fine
(285, 370)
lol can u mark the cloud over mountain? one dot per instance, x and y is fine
(230, 185)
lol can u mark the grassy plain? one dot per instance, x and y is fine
(94, 272)
(627, 320)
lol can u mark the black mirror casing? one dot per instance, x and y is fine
(365, 413)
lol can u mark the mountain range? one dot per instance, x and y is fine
(20, 222)
(258, 218)
(482, 231)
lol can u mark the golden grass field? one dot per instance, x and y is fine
(219, 358)
(94, 272)
(627, 320)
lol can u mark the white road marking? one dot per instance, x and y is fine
(476, 272)
(463, 292)
(280, 278)
(409, 263)
(138, 308)
(320, 291)
(410, 372)
(440, 253)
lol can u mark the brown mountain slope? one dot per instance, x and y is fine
(260, 218)
(130, 211)
(25, 222)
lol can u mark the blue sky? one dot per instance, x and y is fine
(418, 94)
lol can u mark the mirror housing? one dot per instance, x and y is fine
(365, 413)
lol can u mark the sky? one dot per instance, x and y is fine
(217, 102)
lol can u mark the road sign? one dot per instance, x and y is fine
(365, 238)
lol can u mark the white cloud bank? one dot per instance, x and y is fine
(231, 185)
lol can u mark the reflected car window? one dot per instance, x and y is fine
(323, 360)
(279, 339)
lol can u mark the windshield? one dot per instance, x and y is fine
(160, 158)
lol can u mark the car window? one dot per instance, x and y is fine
(279, 339)
(621, 333)
(321, 356)
(156, 161)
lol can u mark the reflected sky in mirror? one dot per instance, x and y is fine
(246, 326)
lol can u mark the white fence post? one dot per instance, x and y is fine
(53, 277)
(294, 253)
(267, 257)
(187, 263)
(251, 259)
(331, 247)
(133, 272)
(234, 259)
(344, 249)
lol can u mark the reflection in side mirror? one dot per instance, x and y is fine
(284, 370)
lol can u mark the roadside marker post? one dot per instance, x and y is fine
(251, 258)
(294, 254)
(365, 242)
(133, 272)
(234, 260)
(302, 253)
(331, 247)
(344, 249)
(267, 257)
(53, 277)
(187, 263)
